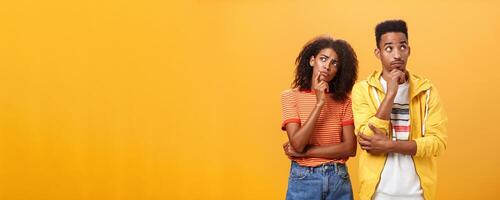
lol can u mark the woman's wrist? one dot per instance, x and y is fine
(320, 104)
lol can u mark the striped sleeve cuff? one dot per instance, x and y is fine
(293, 120)
(348, 122)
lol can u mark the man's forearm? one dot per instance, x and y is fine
(385, 108)
(403, 147)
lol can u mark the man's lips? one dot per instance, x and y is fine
(397, 63)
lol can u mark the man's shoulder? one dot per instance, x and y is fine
(419, 78)
(421, 81)
(360, 91)
(362, 82)
(365, 83)
(360, 85)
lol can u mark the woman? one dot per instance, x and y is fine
(317, 117)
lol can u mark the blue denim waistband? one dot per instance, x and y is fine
(323, 168)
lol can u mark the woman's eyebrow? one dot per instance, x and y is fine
(325, 56)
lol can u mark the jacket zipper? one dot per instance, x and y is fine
(379, 178)
(416, 171)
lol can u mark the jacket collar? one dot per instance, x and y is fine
(417, 83)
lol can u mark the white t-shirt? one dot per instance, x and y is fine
(399, 179)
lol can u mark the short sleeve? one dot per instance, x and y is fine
(289, 112)
(347, 117)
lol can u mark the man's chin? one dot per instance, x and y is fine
(400, 68)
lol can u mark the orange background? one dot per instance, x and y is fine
(180, 100)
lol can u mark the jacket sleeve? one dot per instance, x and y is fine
(364, 111)
(434, 141)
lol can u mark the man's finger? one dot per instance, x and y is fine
(367, 148)
(364, 143)
(364, 137)
(375, 129)
(402, 78)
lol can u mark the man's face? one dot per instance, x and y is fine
(325, 63)
(393, 51)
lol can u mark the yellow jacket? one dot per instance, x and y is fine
(428, 128)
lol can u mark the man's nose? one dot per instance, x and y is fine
(397, 54)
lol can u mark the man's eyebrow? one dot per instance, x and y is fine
(402, 42)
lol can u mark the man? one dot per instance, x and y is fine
(400, 121)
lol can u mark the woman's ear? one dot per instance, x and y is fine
(311, 61)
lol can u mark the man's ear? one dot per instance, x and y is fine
(409, 50)
(377, 52)
(311, 61)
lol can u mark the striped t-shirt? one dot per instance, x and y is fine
(296, 106)
(399, 179)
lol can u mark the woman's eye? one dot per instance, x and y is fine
(334, 63)
(323, 59)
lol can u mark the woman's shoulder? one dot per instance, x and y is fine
(290, 91)
(343, 103)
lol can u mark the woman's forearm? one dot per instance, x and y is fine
(299, 138)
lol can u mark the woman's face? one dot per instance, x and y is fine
(325, 63)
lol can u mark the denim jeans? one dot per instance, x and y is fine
(327, 181)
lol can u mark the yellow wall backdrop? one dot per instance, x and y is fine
(180, 100)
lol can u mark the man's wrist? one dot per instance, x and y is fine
(391, 95)
(391, 145)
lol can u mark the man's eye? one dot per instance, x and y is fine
(403, 47)
(388, 49)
